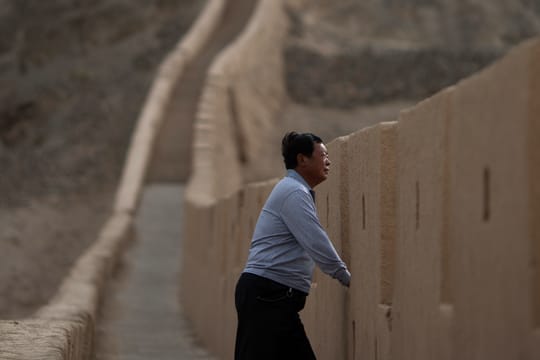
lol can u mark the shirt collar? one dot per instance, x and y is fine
(295, 175)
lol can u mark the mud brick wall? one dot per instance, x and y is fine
(236, 117)
(437, 216)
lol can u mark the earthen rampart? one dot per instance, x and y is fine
(243, 93)
(437, 215)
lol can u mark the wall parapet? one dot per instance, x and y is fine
(437, 213)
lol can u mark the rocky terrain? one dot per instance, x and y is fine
(75, 73)
(365, 60)
(73, 77)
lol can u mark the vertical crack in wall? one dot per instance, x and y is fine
(445, 292)
(353, 339)
(363, 212)
(533, 144)
(388, 188)
(486, 188)
(417, 207)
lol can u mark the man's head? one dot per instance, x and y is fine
(307, 154)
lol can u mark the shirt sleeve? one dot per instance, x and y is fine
(300, 216)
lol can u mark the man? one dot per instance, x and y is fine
(288, 240)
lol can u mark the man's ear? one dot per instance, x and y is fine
(300, 159)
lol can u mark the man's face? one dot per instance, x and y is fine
(315, 169)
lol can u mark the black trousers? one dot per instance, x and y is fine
(269, 327)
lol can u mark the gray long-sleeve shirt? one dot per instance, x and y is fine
(288, 238)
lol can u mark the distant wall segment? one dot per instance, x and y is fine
(236, 118)
(437, 215)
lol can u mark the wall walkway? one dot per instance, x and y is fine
(141, 315)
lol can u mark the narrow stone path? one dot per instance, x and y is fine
(171, 160)
(142, 317)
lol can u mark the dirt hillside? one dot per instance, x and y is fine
(350, 63)
(73, 78)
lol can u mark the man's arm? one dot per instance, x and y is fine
(300, 216)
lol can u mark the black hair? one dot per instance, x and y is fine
(294, 143)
